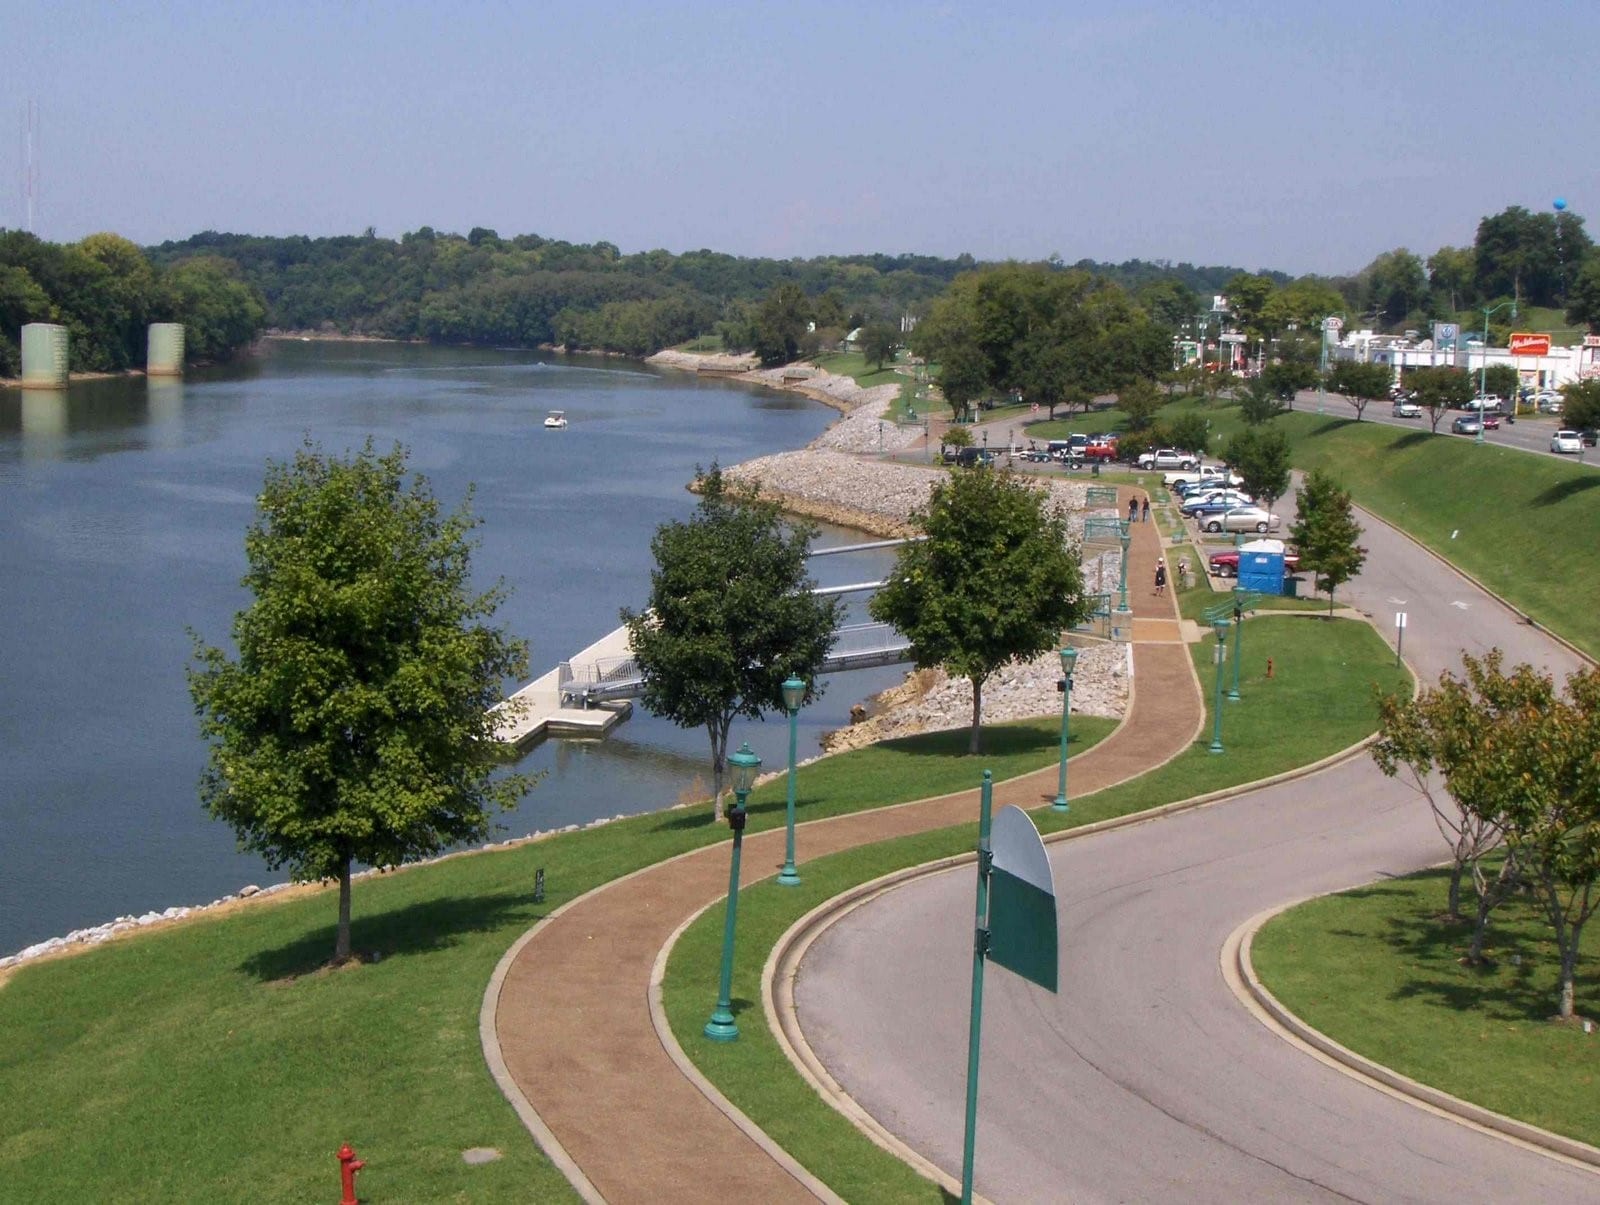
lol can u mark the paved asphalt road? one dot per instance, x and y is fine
(1531, 432)
(1145, 1079)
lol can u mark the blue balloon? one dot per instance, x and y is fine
(1561, 202)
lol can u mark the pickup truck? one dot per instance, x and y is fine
(1167, 458)
(1204, 474)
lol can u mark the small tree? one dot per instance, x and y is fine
(1139, 400)
(731, 615)
(995, 580)
(1499, 379)
(1190, 432)
(1326, 532)
(878, 342)
(1260, 403)
(1580, 405)
(1288, 377)
(1261, 457)
(355, 724)
(1360, 383)
(1439, 390)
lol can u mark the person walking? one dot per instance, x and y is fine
(1161, 577)
(1144, 511)
(1133, 510)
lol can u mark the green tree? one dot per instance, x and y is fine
(1499, 379)
(1450, 272)
(1580, 405)
(1286, 378)
(221, 314)
(1169, 301)
(1361, 384)
(1395, 285)
(1189, 432)
(1139, 400)
(963, 378)
(1440, 389)
(355, 723)
(730, 616)
(779, 322)
(1247, 301)
(21, 301)
(1326, 531)
(1583, 295)
(1261, 457)
(878, 342)
(1260, 402)
(995, 581)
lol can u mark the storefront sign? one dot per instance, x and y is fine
(1524, 344)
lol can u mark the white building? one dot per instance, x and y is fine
(1557, 367)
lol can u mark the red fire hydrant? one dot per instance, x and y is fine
(1269, 667)
(349, 1165)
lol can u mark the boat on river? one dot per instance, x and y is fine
(556, 418)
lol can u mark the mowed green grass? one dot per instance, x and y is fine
(215, 1060)
(854, 364)
(1378, 971)
(1319, 701)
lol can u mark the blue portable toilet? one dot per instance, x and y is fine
(1261, 567)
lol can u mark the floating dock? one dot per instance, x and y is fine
(537, 710)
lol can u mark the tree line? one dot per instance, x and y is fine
(106, 292)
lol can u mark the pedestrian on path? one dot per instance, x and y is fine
(1161, 577)
(1144, 512)
(1133, 510)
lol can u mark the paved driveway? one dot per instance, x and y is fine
(1145, 1080)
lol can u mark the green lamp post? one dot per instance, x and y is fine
(794, 694)
(1122, 585)
(743, 765)
(1238, 647)
(1220, 627)
(1069, 659)
(1483, 364)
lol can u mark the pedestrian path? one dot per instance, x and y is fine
(571, 1023)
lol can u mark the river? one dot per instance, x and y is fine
(123, 508)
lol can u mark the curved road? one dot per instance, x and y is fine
(1145, 1079)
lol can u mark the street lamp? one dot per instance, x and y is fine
(743, 764)
(1238, 647)
(1483, 364)
(1069, 658)
(1220, 627)
(1122, 585)
(794, 694)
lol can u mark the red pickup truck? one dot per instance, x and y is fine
(1226, 564)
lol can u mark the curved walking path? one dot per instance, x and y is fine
(568, 1028)
(1146, 1079)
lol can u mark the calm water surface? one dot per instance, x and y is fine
(123, 507)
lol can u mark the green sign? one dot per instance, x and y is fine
(1022, 901)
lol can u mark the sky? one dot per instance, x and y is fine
(1297, 137)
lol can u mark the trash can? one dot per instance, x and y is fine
(1291, 586)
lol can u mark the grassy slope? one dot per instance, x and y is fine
(213, 1059)
(1376, 970)
(1319, 702)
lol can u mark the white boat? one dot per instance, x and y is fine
(556, 418)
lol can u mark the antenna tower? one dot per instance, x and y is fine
(30, 160)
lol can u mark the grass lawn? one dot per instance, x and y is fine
(1377, 970)
(214, 1059)
(854, 364)
(1521, 524)
(1318, 702)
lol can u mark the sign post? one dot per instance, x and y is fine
(1016, 926)
(1399, 635)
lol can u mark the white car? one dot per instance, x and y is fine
(1241, 518)
(1167, 458)
(1484, 401)
(1566, 441)
(1406, 409)
(1548, 402)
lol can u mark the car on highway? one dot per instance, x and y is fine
(1569, 442)
(1215, 504)
(1405, 408)
(1467, 424)
(1241, 518)
(1168, 458)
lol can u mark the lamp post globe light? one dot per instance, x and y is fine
(1069, 659)
(743, 764)
(1238, 646)
(794, 694)
(1122, 583)
(1220, 627)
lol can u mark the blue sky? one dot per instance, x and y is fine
(1299, 137)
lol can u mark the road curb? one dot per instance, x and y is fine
(1240, 973)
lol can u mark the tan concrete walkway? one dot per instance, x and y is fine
(573, 1021)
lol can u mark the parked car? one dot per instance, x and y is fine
(1101, 447)
(1168, 458)
(973, 457)
(1215, 504)
(1566, 441)
(1241, 518)
(1406, 409)
(1589, 436)
(1484, 401)
(1226, 564)
(1547, 401)
(1201, 475)
(1467, 424)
